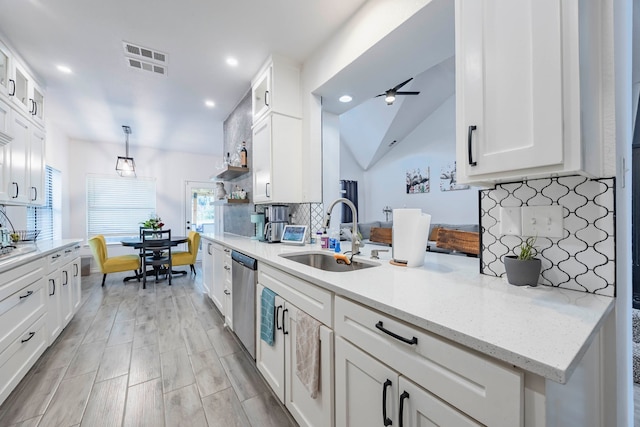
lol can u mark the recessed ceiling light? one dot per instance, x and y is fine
(233, 62)
(345, 98)
(209, 103)
(64, 69)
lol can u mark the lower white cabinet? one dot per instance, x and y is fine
(23, 336)
(207, 267)
(227, 288)
(369, 393)
(54, 308)
(63, 289)
(464, 386)
(278, 363)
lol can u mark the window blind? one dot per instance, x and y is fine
(47, 218)
(116, 206)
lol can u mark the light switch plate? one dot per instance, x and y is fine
(542, 221)
(510, 221)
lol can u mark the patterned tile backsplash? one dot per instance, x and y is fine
(584, 258)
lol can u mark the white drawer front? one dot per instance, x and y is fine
(21, 309)
(13, 280)
(307, 297)
(55, 260)
(20, 355)
(487, 390)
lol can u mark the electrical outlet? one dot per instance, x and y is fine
(542, 221)
(510, 221)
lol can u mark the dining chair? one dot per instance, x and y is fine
(112, 264)
(188, 257)
(156, 248)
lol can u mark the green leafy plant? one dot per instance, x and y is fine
(154, 223)
(527, 249)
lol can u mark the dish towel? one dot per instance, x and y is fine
(308, 352)
(267, 305)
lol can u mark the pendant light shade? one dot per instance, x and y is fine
(126, 166)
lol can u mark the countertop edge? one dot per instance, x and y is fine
(42, 250)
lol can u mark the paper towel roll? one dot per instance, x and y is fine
(410, 236)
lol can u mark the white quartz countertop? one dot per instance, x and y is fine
(41, 249)
(542, 330)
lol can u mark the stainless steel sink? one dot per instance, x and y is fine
(326, 262)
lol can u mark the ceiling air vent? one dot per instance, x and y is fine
(145, 59)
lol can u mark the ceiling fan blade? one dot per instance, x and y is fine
(402, 84)
(382, 94)
(407, 93)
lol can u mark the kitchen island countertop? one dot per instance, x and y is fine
(543, 330)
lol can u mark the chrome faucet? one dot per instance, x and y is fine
(355, 236)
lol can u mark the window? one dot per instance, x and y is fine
(48, 218)
(116, 206)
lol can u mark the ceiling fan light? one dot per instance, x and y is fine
(390, 98)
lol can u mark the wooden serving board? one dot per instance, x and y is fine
(381, 235)
(461, 241)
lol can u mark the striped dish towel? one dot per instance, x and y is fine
(308, 352)
(267, 306)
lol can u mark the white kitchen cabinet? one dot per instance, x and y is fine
(23, 336)
(21, 88)
(277, 363)
(217, 284)
(276, 89)
(228, 289)
(54, 308)
(277, 168)
(476, 388)
(369, 393)
(5, 67)
(519, 82)
(207, 267)
(24, 163)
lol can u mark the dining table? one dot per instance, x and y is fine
(136, 243)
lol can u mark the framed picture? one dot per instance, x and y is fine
(418, 181)
(448, 180)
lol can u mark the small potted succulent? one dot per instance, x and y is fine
(524, 269)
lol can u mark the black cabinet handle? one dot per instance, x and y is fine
(13, 90)
(17, 190)
(403, 396)
(411, 341)
(33, 107)
(278, 308)
(75, 270)
(266, 95)
(470, 145)
(284, 331)
(266, 189)
(226, 292)
(68, 251)
(53, 282)
(35, 194)
(31, 334)
(27, 295)
(66, 278)
(209, 248)
(385, 420)
(56, 256)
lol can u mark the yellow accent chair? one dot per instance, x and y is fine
(188, 257)
(112, 264)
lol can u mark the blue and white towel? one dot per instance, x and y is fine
(267, 307)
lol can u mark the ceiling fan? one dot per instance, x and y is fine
(390, 95)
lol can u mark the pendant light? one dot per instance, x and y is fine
(125, 165)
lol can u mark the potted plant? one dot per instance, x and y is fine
(153, 223)
(524, 269)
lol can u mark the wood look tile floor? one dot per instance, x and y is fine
(144, 357)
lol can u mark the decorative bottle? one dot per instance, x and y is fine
(243, 155)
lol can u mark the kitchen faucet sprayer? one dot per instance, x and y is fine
(355, 239)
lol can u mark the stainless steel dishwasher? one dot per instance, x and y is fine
(243, 297)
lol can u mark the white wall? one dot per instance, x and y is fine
(170, 168)
(432, 145)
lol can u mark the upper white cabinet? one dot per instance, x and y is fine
(277, 166)
(276, 89)
(519, 81)
(22, 158)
